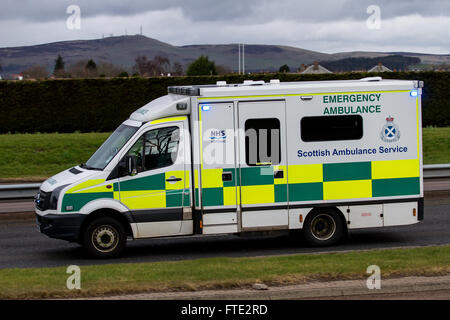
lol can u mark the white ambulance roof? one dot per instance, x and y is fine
(252, 88)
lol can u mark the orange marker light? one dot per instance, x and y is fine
(301, 218)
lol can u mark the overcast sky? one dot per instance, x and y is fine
(322, 25)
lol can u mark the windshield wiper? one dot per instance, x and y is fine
(85, 166)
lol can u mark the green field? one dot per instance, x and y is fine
(35, 157)
(214, 273)
(436, 145)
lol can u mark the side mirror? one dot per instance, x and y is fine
(130, 165)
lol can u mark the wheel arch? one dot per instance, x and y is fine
(333, 208)
(124, 218)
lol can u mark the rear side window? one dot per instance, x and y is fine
(331, 128)
(262, 142)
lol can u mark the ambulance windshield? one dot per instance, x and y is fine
(110, 148)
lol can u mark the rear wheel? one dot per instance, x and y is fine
(323, 227)
(105, 237)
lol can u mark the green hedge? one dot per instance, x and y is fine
(101, 104)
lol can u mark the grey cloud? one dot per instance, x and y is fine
(235, 11)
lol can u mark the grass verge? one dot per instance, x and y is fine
(436, 145)
(35, 157)
(220, 273)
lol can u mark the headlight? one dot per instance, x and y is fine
(54, 197)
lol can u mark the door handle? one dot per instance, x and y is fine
(173, 179)
(227, 176)
(279, 174)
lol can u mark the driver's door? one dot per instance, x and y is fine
(154, 194)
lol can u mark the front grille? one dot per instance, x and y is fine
(43, 201)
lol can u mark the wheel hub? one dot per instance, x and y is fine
(105, 238)
(323, 227)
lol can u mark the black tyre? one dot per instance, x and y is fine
(104, 237)
(323, 227)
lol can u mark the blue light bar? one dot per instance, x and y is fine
(206, 108)
(414, 93)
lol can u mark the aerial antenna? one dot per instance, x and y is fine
(243, 59)
(239, 58)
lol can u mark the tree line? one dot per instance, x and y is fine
(143, 66)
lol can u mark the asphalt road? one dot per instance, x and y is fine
(21, 245)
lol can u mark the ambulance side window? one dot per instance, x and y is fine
(262, 142)
(156, 148)
(331, 128)
(161, 147)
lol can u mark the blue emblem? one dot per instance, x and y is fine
(390, 131)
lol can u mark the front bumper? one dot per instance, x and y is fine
(61, 226)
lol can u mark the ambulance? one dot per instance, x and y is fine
(323, 157)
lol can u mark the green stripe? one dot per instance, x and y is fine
(197, 203)
(347, 171)
(174, 198)
(280, 193)
(154, 182)
(212, 197)
(78, 200)
(187, 198)
(305, 191)
(235, 175)
(254, 176)
(395, 187)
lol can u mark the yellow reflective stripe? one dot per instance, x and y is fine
(305, 173)
(395, 169)
(86, 184)
(258, 194)
(229, 196)
(280, 180)
(144, 199)
(175, 185)
(97, 189)
(212, 178)
(196, 178)
(347, 189)
(168, 119)
(187, 180)
(299, 94)
(116, 195)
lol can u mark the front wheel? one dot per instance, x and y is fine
(105, 237)
(323, 227)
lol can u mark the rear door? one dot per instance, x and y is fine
(263, 165)
(218, 168)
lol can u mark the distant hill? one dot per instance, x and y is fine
(122, 51)
(393, 62)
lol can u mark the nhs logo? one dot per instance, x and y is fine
(217, 135)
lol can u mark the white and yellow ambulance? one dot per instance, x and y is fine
(322, 156)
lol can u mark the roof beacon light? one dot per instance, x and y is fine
(206, 108)
(413, 93)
